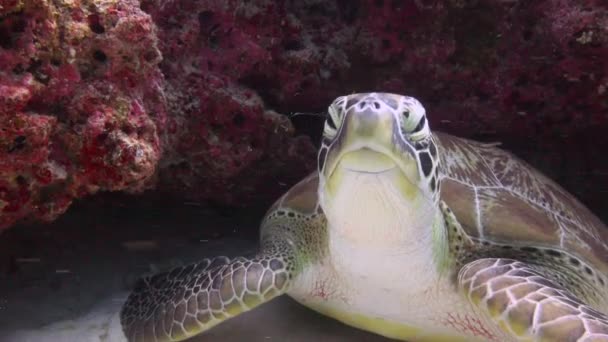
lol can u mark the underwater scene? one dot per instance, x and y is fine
(284, 170)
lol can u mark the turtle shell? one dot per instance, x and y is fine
(499, 197)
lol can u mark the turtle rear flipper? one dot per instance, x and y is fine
(189, 300)
(527, 305)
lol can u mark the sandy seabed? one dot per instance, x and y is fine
(91, 256)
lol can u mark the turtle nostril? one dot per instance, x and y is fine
(377, 105)
(361, 104)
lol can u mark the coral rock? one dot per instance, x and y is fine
(79, 89)
(182, 96)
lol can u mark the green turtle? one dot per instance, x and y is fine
(406, 233)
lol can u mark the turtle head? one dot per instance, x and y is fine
(377, 149)
(379, 134)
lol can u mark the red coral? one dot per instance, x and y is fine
(78, 108)
(24, 163)
(221, 139)
(123, 92)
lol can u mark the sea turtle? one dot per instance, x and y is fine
(406, 233)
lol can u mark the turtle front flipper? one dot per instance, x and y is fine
(527, 305)
(189, 300)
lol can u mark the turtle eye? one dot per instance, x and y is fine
(413, 121)
(334, 118)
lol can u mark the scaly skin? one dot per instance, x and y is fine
(186, 301)
(527, 305)
(176, 305)
(541, 300)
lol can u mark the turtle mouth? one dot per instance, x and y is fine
(370, 172)
(357, 167)
(375, 160)
(366, 160)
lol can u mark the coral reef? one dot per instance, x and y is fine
(190, 97)
(531, 75)
(79, 103)
(223, 143)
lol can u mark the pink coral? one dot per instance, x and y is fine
(75, 79)
(529, 74)
(222, 141)
(181, 95)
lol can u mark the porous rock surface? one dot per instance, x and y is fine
(189, 98)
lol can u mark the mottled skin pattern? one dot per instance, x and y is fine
(541, 298)
(529, 259)
(175, 305)
(511, 213)
(187, 300)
